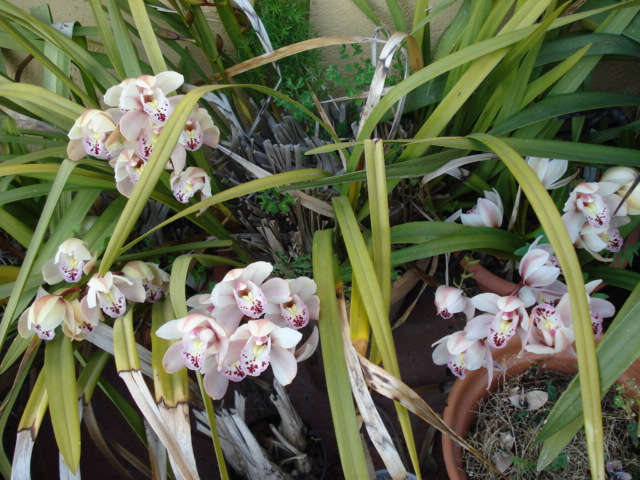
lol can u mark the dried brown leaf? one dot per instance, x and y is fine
(391, 387)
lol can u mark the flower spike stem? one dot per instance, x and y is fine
(222, 466)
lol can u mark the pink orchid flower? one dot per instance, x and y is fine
(218, 370)
(500, 324)
(548, 333)
(72, 260)
(539, 273)
(243, 291)
(95, 133)
(488, 212)
(110, 292)
(301, 306)
(200, 335)
(599, 308)
(594, 239)
(461, 353)
(198, 130)
(152, 278)
(591, 202)
(188, 182)
(143, 100)
(127, 170)
(450, 300)
(264, 344)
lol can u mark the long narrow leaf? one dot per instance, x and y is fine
(343, 414)
(32, 252)
(374, 304)
(550, 219)
(63, 399)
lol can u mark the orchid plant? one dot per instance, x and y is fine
(538, 309)
(494, 84)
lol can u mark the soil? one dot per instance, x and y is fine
(498, 419)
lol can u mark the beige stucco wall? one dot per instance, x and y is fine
(342, 17)
(328, 17)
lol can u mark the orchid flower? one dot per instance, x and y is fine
(127, 170)
(461, 353)
(190, 181)
(500, 324)
(487, 212)
(625, 178)
(218, 371)
(450, 300)
(539, 275)
(309, 346)
(264, 344)
(200, 335)
(548, 333)
(95, 133)
(152, 278)
(301, 305)
(44, 316)
(594, 203)
(550, 171)
(72, 260)
(110, 292)
(243, 291)
(198, 130)
(599, 308)
(143, 100)
(595, 239)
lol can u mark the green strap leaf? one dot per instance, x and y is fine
(552, 223)
(343, 415)
(63, 398)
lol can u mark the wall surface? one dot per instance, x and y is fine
(340, 17)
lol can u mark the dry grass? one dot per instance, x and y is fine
(497, 416)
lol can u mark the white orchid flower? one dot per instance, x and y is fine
(243, 291)
(500, 324)
(72, 260)
(110, 293)
(625, 178)
(301, 306)
(190, 181)
(264, 344)
(200, 337)
(539, 272)
(594, 203)
(143, 100)
(150, 275)
(461, 353)
(548, 333)
(127, 170)
(95, 133)
(487, 212)
(44, 316)
(549, 171)
(450, 300)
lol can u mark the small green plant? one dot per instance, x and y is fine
(274, 202)
(292, 267)
(629, 404)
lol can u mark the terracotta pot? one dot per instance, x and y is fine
(487, 281)
(465, 394)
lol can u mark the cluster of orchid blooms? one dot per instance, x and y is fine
(126, 134)
(538, 310)
(240, 328)
(245, 324)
